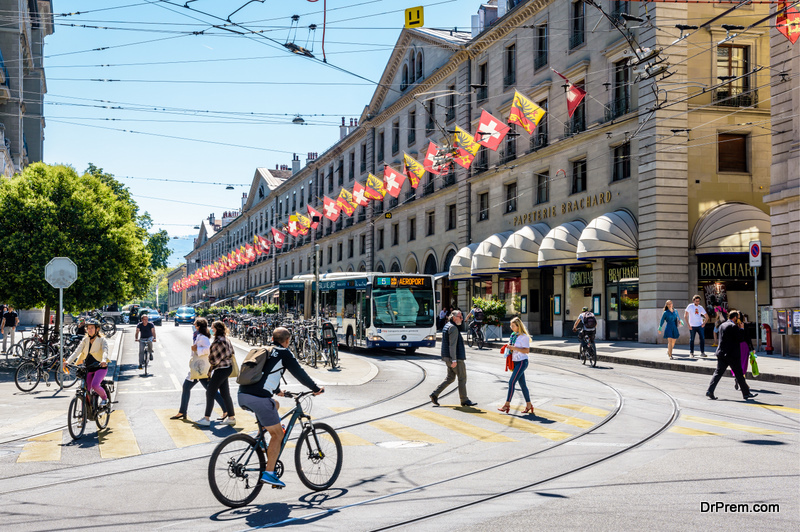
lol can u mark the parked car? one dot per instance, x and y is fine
(185, 315)
(152, 314)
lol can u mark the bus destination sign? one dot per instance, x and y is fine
(402, 281)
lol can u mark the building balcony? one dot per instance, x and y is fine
(429, 188)
(735, 97)
(539, 139)
(410, 196)
(362, 215)
(448, 180)
(618, 108)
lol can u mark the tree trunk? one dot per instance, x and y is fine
(46, 322)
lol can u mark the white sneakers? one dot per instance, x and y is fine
(203, 422)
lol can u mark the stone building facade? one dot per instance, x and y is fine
(620, 207)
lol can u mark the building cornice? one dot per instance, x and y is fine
(504, 26)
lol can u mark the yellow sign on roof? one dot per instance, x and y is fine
(415, 17)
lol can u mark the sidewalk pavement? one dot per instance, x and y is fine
(45, 408)
(773, 368)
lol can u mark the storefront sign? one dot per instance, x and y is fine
(729, 267)
(581, 278)
(566, 207)
(626, 271)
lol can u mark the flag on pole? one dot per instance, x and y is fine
(414, 170)
(574, 94)
(525, 113)
(278, 237)
(788, 22)
(359, 194)
(331, 208)
(265, 244)
(491, 131)
(430, 157)
(250, 253)
(346, 202)
(312, 212)
(304, 221)
(374, 188)
(292, 226)
(466, 148)
(394, 181)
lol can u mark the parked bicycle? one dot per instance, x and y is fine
(85, 405)
(236, 465)
(37, 368)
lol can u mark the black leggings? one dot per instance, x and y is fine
(219, 381)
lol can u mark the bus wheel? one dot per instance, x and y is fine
(350, 341)
(411, 350)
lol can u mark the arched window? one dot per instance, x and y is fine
(379, 268)
(395, 267)
(404, 79)
(448, 259)
(430, 265)
(419, 66)
(412, 62)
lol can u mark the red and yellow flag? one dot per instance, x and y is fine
(526, 113)
(466, 148)
(414, 169)
(346, 202)
(374, 189)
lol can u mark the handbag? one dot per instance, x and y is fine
(509, 360)
(234, 368)
(198, 367)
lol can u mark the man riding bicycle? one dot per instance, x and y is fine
(258, 397)
(588, 324)
(477, 318)
(147, 331)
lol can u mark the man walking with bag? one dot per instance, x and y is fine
(455, 357)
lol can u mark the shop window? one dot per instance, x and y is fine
(412, 229)
(579, 283)
(430, 223)
(482, 288)
(622, 162)
(732, 152)
(510, 289)
(578, 176)
(451, 216)
(483, 206)
(542, 188)
(511, 197)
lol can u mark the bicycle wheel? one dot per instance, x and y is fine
(102, 415)
(593, 355)
(234, 470)
(583, 354)
(66, 380)
(76, 417)
(27, 376)
(470, 338)
(318, 457)
(479, 337)
(333, 357)
(16, 351)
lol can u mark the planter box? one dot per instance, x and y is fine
(492, 332)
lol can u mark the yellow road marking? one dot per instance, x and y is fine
(781, 408)
(560, 418)
(117, 440)
(599, 412)
(350, 439)
(729, 425)
(403, 432)
(524, 425)
(44, 448)
(459, 426)
(33, 421)
(183, 432)
(691, 432)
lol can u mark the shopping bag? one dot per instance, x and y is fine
(234, 368)
(198, 367)
(754, 365)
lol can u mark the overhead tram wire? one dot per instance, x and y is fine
(185, 202)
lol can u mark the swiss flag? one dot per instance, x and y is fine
(575, 94)
(359, 194)
(250, 253)
(428, 163)
(491, 131)
(331, 208)
(394, 181)
(278, 237)
(292, 228)
(312, 212)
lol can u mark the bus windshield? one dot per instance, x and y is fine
(410, 306)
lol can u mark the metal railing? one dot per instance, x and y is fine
(577, 38)
(617, 108)
(735, 97)
(428, 188)
(539, 138)
(540, 60)
(410, 196)
(449, 180)
(576, 124)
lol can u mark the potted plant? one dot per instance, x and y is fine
(494, 310)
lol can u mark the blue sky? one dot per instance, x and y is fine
(237, 93)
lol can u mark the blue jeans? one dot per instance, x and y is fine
(701, 331)
(518, 375)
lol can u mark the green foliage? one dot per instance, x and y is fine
(494, 309)
(49, 211)
(158, 246)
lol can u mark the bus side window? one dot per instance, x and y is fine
(349, 303)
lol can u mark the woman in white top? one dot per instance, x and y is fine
(519, 345)
(200, 347)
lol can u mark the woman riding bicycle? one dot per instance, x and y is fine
(93, 352)
(258, 397)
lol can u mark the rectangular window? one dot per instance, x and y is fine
(732, 152)
(542, 188)
(330, 254)
(510, 151)
(511, 197)
(395, 137)
(340, 172)
(483, 206)
(510, 75)
(618, 7)
(540, 59)
(350, 249)
(482, 160)
(380, 238)
(620, 104)
(302, 196)
(451, 104)
(363, 244)
(294, 200)
(431, 111)
(379, 147)
(412, 229)
(577, 123)
(351, 171)
(733, 61)
(622, 162)
(483, 83)
(578, 176)
(431, 223)
(395, 234)
(451, 216)
(339, 248)
(363, 157)
(539, 139)
(412, 127)
(577, 22)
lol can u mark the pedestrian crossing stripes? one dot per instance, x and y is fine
(778, 408)
(118, 440)
(729, 425)
(599, 412)
(44, 448)
(461, 427)
(686, 431)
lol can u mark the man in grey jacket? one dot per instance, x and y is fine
(454, 356)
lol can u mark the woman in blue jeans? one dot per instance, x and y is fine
(201, 344)
(519, 345)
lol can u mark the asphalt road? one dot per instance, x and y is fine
(610, 448)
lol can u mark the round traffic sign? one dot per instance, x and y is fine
(61, 272)
(755, 250)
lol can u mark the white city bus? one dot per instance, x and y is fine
(371, 310)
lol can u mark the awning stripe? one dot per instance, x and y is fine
(486, 258)
(461, 266)
(561, 244)
(730, 227)
(521, 250)
(614, 234)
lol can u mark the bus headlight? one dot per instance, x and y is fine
(431, 338)
(376, 339)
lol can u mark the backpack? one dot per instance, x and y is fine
(253, 366)
(478, 315)
(589, 321)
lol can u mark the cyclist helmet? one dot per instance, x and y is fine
(92, 321)
(585, 309)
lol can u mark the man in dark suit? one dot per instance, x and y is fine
(729, 354)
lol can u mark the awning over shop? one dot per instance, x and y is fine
(560, 245)
(615, 234)
(268, 292)
(730, 227)
(440, 275)
(241, 298)
(220, 302)
(461, 266)
(486, 258)
(521, 250)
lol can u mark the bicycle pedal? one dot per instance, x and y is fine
(277, 487)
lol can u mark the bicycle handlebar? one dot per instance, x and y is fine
(297, 396)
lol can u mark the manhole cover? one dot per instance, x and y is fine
(404, 444)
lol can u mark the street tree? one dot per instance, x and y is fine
(49, 211)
